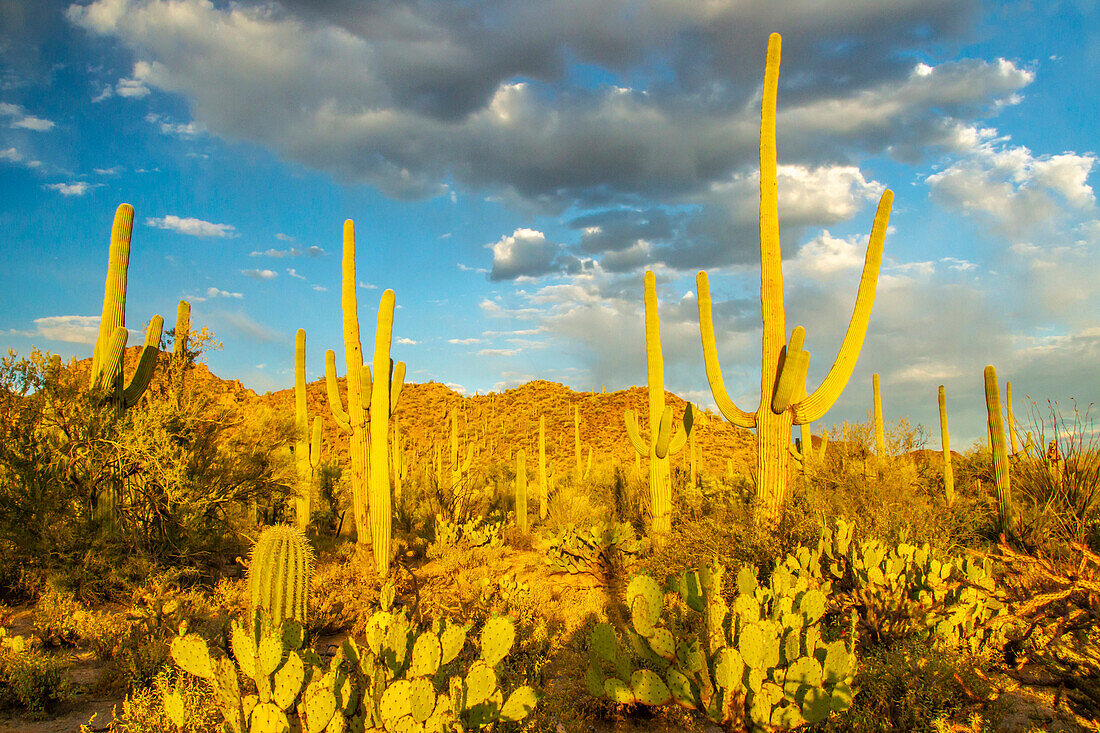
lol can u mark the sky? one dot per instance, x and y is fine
(513, 168)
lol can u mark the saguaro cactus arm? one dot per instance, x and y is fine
(114, 289)
(634, 433)
(815, 406)
(147, 363)
(794, 363)
(335, 402)
(732, 412)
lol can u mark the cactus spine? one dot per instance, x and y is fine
(880, 432)
(108, 356)
(784, 365)
(662, 443)
(945, 441)
(521, 490)
(307, 451)
(278, 574)
(997, 445)
(367, 399)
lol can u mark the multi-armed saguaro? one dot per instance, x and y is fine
(110, 346)
(784, 365)
(307, 450)
(370, 403)
(662, 443)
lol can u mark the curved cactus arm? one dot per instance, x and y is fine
(315, 443)
(335, 402)
(732, 412)
(147, 363)
(815, 406)
(632, 432)
(110, 360)
(679, 439)
(794, 362)
(664, 433)
(368, 388)
(396, 384)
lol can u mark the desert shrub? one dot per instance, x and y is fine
(30, 679)
(909, 686)
(143, 709)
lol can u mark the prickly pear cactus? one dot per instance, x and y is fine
(903, 590)
(762, 662)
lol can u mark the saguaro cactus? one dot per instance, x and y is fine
(544, 481)
(880, 432)
(945, 442)
(784, 365)
(307, 451)
(110, 345)
(804, 453)
(662, 443)
(577, 443)
(1009, 417)
(180, 359)
(370, 403)
(521, 490)
(278, 574)
(997, 446)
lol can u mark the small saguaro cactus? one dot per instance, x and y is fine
(945, 441)
(307, 449)
(544, 481)
(997, 446)
(804, 453)
(880, 432)
(370, 404)
(784, 364)
(662, 443)
(110, 345)
(278, 574)
(180, 359)
(577, 443)
(521, 490)
(400, 462)
(460, 467)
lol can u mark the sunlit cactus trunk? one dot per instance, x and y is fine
(784, 364)
(880, 430)
(521, 491)
(307, 449)
(945, 442)
(999, 450)
(662, 443)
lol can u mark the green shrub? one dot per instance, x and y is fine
(30, 679)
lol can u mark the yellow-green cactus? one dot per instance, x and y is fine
(880, 432)
(945, 441)
(804, 453)
(784, 364)
(662, 442)
(521, 491)
(307, 451)
(110, 346)
(370, 404)
(1000, 454)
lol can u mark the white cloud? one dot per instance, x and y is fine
(19, 118)
(75, 188)
(70, 329)
(12, 155)
(179, 129)
(192, 227)
(320, 288)
(464, 341)
(525, 252)
(825, 255)
(213, 292)
(131, 89)
(407, 341)
(260, 274)
(294, 273)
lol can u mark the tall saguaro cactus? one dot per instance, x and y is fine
(880, 431)
(997, 446)
(370, 404)
(945, 442)
(662, 443)
(307, 450)
(784, 364)
(521, 491)
(110, 345)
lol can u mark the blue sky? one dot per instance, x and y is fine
(513, 168)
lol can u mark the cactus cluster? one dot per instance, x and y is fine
(279, 573)
(403, 679)
(597, 550)
(762, 661)
(784, 363)
(371, 402)
(478, 532)
(902, 590)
